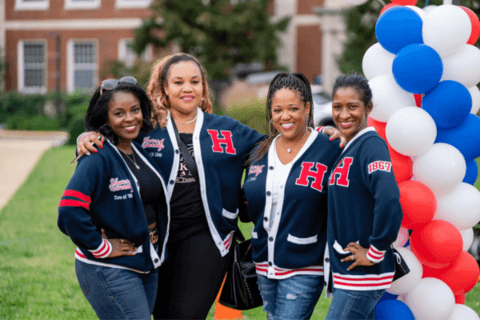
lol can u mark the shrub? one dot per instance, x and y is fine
(252, 115)
(38, 122)
(75, 128)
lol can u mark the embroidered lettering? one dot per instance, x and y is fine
(152, 143)
(118, 185)
(256, 170)
(317, 175)
(379, 165)
(342, 170)
(218, 142)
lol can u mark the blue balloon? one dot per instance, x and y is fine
(398, 27)
(392, 309)
(472, 172)
(388, 296)
(449, 104)
(417, 68)
(464, 137)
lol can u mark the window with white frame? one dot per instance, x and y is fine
(81, 4)
(125, 4)
(32, 66)
(31, 4)
(81, 65)
(128, 56)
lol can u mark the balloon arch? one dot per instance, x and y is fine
(423, 73)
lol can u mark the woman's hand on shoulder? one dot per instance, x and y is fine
(120, 247)
(359, 256)
(335, 134)
(87, 141)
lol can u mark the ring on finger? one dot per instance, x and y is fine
(122, 241)
(353, 258)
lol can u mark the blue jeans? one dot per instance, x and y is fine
(117, 293)
(292, 298)
(350, 304)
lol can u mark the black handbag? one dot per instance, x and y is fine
(401, 267)
(240, 290)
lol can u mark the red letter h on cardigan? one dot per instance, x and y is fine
(226, 140)
(316, 175)
(342, 170)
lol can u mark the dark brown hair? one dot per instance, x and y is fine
(292, 81)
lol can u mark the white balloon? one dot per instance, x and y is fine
(475, 93)
(440, 168)
(377, 62)
(402, 238)
(463, 66)
(429, 8)
(411, 131)
(467, 237)
(431, 299)
(446, 29)
(388, 97)
(419, 11)
(462, 312)
(460, 206)
(409, 281)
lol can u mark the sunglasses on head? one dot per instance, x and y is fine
(111, 84)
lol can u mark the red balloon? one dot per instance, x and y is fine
(418, 204)
(405, 2)
(388, 6)
(460, 298)
(475, 25)
(437, 244)
(461, 276)
(418, 100)
(379, 127)
(402, 165)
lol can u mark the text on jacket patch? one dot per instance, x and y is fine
(256, 170)
(339, 176)
(312, 172)
(379, 165)
(153, 143)
(220, 143)
(118, 185)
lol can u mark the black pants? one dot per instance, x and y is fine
(191, 277)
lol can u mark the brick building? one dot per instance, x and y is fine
(64, 43)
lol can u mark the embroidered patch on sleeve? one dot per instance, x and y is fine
(380, 165)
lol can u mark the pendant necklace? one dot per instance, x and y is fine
(133, 161)
(184, 123)
(289, 150)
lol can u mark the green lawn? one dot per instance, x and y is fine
(37, 276)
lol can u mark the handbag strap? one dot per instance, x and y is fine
(187, 157)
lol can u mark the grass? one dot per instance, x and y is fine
(37, 276)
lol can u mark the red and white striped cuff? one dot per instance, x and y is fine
(320, 129)
(103, 250)
(375, 255)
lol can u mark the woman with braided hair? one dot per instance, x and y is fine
(203, 155)
(286, 191)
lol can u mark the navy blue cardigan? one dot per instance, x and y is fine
(363, 207)
(221, 146)
(296, 242)
(103, 193)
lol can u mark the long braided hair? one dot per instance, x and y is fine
(292, 81)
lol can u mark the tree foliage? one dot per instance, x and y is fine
(220, 34)
(361, 21)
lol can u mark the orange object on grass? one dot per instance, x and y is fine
(225, 313)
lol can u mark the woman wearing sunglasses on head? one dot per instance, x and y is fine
(204, 156)
(116, 208)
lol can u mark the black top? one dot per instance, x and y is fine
(151, 189)
(186, 202)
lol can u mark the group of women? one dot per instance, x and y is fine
(157, 206)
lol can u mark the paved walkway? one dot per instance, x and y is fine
(19, 153)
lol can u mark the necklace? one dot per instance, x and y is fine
(133, 161)
(184, 123)
(289, 150)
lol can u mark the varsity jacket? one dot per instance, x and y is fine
(221, 146)
(103, 193)
(295, 243)
(363, 207)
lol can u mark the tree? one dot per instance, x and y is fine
(220, 34)
(361, 21)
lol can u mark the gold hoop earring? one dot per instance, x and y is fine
(270, 125)
(164, 102)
